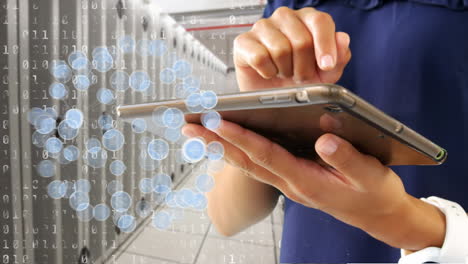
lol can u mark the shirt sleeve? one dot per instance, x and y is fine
(455, 247)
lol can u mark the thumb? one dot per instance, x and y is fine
(342, 156)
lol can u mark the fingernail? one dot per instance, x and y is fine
(188, 132)
(328, 146)
(326, 62)
(346, 40)
(298, 80)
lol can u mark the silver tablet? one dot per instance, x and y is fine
(296, 117)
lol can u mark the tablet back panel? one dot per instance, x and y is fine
(296, 117)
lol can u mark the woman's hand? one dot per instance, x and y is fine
(290, 47)
(302, 46)
(354, 188)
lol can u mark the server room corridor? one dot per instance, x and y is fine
(81, 184)
(193, 239)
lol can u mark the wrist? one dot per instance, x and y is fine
(413, 225)
(426, 227)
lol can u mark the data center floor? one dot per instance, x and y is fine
(193, 239)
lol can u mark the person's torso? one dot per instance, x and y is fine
(410, 59)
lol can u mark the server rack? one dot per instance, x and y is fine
(33, 33)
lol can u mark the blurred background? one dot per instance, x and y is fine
(79, 185)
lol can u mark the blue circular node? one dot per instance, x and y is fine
(125, 221)
(145, 185)
(180, 90)
(215, 150)
(193, 100)
(143, 208)
(157, 48)
(192, 84)
(93, 144)
(204, 183)
(161, 220)
(105, 96)
(114, 186)
(171, 199)
(53, 145)
(200, 202)
(126, 44)
(56, 189)
(85, 215)
(79, 201)
(39, 139)
(120, 80)
(45, 124)
(34, 114)
(139, 125)
(172, 134)
(209, 99)
(173, 118)
(167, 76)
(61, 72)
(103, 63)
(157, 116)
(51, 112)
(74, 56)
(161, 183)
(100, 50)
(129, 229)
(144, 48)
(146, 162)
(158, 149)
(82, 185)
(95, 157)
(58, 91)
(117, 167)
(211, 120)
(113, 140)
(61, 159)
(139, 81)
(75, 115)
(116, 216)
(215, 166)
(81, 82)
(71, 153)
(67, 129)
(105, 122)
(36, 122)
(188, 196)
(80, 64)
(182, 69)
(184, 197)
(179, 199)
(121, 201)
(193, 150)
(101, 212)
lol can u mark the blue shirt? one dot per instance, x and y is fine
(410, 59)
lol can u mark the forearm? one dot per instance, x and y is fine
(238, 201)
(414, 226)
